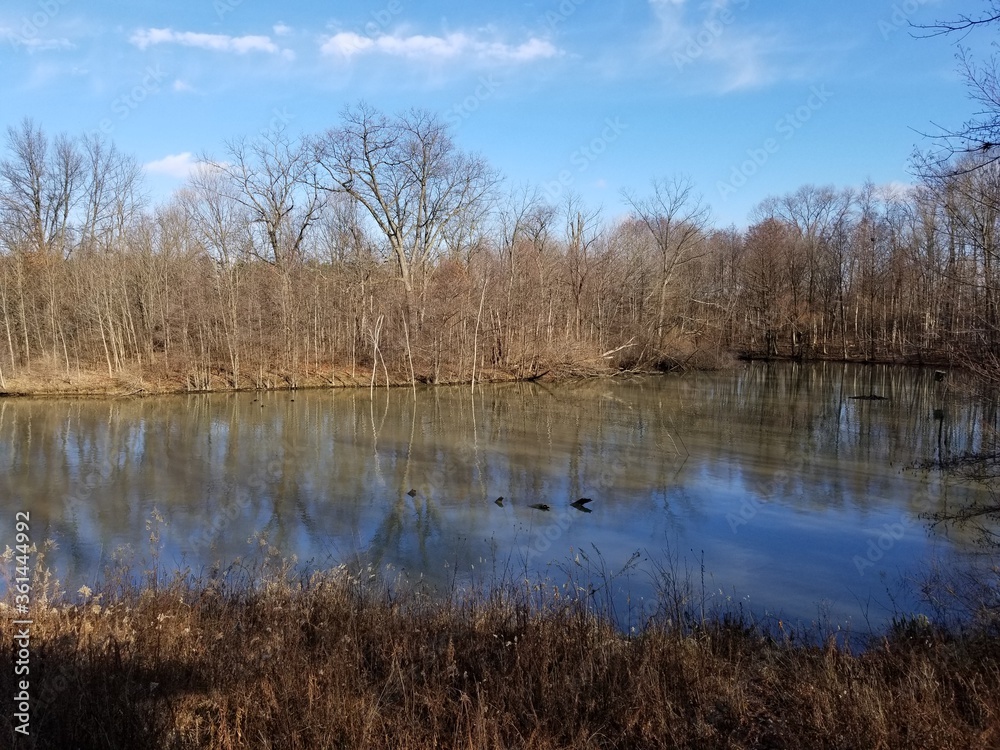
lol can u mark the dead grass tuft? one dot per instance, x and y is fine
(335, 660)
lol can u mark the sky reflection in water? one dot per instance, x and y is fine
(769, 475)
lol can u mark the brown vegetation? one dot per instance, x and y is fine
(244, 660)
(380, 252)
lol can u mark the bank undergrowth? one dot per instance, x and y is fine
(268, 656)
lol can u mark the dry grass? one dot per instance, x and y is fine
(48, 381)
(257, 659)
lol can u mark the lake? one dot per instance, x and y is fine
(768, 483)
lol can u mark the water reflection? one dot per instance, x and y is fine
(771, 474)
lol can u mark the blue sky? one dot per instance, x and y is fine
(748, 98)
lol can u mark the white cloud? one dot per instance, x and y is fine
(241, 45)
(347, 44)
(36, 44)
(420, 46)
(670, 13)
(896, 189)
(178, 166)
(715, 34)
(281, 29)
(533, 49)
(181, 87)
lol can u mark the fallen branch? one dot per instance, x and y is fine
(607, 355)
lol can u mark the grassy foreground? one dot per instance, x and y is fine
(331, 661)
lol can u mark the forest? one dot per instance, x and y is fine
(381, 252)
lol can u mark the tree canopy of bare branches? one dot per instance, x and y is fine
(274, 178)
(283, 261)
(980, 134)
(409, 176)
(676, 219)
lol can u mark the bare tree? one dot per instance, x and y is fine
(677, 221)
(223, 227)
(980, 134)
(345, 236)
(39, 188)
(274, 178)
(817, 216)
(113, 196)
(582, 233)
(410, 177)
(770, 280)
(973, 208)
(221, 221)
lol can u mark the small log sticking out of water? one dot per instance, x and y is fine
(581, 505)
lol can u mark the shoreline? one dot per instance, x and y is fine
(93, 384)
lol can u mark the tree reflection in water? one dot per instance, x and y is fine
(665, 459)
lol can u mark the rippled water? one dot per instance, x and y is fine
(793, 497)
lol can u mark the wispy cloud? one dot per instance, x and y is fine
(240, 45)
(671, 16)
(34, 43)
(178, 166)
(347, 45)
(43, 45)
(897, 189)
(716, 34)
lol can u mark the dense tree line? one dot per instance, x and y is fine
(379, 250)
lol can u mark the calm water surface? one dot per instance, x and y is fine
(797, 499)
